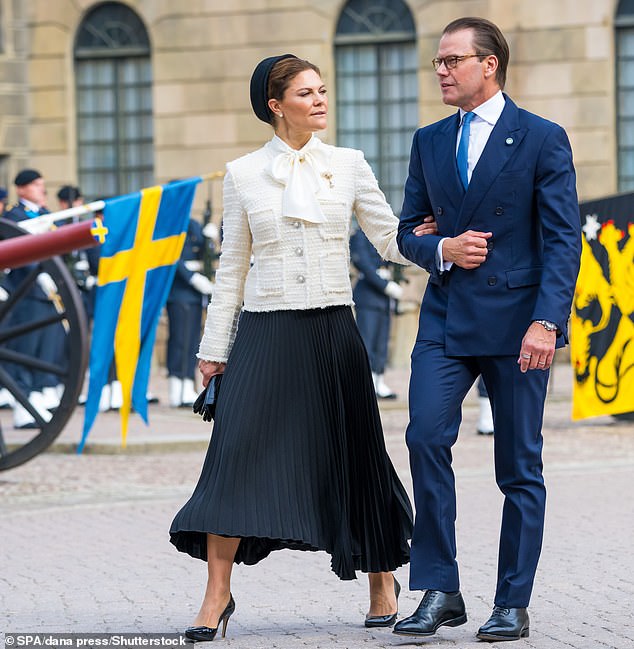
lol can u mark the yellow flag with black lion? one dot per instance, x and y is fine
(602, 320)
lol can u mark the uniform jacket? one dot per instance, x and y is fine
(297, 264)
(523, 191)
(182, 291)
(369, 291)
(15, 277)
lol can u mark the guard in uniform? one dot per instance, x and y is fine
(185, 304)
(485, 414)
(4, 195)
(6, 398)
(44, 388)
(374, 295)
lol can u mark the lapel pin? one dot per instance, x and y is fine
(509, 140)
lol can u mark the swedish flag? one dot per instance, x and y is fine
(146, 232)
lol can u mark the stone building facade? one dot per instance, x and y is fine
(118, 95)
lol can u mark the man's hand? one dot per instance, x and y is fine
(208, 369)
(538, 348)
(428, 226)
(468, 250)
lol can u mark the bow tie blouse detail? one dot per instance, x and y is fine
(301, 172)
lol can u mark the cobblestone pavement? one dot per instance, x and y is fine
(84, 544)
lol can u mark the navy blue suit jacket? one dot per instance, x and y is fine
(523, 191)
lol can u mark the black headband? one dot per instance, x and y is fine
(260, 86)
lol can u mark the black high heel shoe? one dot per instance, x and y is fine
(207, 633)
(372, 621)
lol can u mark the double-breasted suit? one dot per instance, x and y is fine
(522, 190)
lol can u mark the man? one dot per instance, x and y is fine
(373, 297)
(6, 398)
(3, 200)
(43, 388)
(185, 303)
(501, 184)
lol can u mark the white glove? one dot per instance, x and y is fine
(393, 290)
(384, 273)
(89, 282)
(194, 265)
(210, 231)
(202, 284)
(47, 284)
(4, 296)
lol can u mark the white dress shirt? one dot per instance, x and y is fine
(485, 118)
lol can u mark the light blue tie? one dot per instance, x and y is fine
(463, 149)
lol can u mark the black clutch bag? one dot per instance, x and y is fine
(205, 404)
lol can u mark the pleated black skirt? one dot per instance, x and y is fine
(297, 457)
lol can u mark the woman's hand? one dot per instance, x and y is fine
(209, 368)
(428, 226)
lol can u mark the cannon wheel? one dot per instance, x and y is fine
(18, 446)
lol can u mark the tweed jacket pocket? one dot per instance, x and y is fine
(335, 272)
(337, 221)
(265, 227)
(269, 272)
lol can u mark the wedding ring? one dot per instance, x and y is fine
(542, 363)
(526, 355)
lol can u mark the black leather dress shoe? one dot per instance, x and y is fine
(436, 609)
(505, 624)
(372, 621)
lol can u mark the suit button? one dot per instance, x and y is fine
(492, 280)
(499, 210)
(299, 251)
(301, 279)
(439, 211)
(489, 244)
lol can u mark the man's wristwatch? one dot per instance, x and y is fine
(549, 326)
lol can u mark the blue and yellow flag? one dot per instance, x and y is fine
(146, 232)
(602, 320)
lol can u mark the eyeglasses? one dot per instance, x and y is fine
(451, 62)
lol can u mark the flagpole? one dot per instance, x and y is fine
(42, 223)
(212, 175)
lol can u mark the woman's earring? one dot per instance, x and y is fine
(280, 115)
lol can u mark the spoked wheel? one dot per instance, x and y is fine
(59, 326)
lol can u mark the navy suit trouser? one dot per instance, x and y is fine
(438, 386)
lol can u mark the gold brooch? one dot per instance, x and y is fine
(328, 176)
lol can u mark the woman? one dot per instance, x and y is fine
(297, 457)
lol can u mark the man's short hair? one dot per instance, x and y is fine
(487, 39)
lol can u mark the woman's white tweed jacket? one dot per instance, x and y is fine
(296, 264)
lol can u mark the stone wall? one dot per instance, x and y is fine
(203, 52)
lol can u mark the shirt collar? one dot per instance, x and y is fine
(490, 110)
(32, 207)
